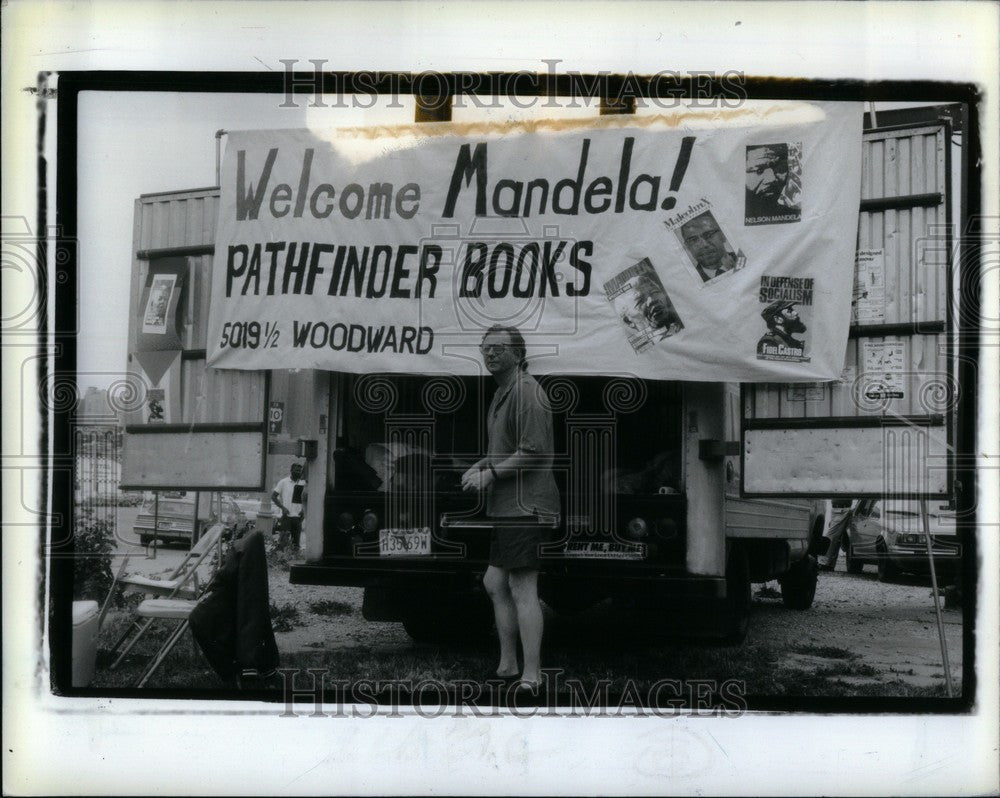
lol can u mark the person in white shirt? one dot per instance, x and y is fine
(290, 496)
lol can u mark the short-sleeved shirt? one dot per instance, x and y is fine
(286, 491)
(520, 419)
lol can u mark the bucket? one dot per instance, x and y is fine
(84, 642)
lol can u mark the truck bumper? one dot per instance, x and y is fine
(609, 576)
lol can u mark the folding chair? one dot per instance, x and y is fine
(165, 609)
(181, 584)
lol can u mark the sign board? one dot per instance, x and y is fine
(275, 417)
(224, 457)
(688, 247)
(886, 426)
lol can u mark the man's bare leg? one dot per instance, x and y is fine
(505, 613)
(524, 589)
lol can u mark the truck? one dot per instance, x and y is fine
(654, 517)
(651, 515)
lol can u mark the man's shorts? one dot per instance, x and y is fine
(514, 543)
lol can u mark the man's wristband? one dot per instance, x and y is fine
(493, 471)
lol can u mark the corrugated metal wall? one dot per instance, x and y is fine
(187, 219)
(896, 164)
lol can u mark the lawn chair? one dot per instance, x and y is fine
(182, 584)
(165, 609)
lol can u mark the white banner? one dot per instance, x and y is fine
(718, 246)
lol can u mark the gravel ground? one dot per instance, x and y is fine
(891, 627)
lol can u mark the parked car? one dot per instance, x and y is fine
(890, 536)
(175, 517)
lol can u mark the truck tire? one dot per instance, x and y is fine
(853, 564)
(736, 607)
(464, 618)
(798, 584)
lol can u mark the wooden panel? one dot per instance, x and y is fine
(187, 219)
(193, 460)
(220, 395)
(759, 518)
(860, 461)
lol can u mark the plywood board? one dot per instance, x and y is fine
(859, 461)
(193, 460)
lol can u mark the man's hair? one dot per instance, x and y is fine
(516, 342)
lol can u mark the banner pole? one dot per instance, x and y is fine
(937, 603)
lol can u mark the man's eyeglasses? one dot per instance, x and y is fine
(487, 349)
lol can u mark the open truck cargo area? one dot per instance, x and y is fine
(397, 523)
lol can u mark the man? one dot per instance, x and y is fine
(782, 321)
(654, 304)
(290, 497)
(766, 179)
(516, 476)
(708, 247)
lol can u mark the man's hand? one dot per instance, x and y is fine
(476, 479)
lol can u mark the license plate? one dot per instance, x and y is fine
(404, 542)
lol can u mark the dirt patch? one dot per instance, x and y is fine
(891, 628)
(861, 637)
(859, 631)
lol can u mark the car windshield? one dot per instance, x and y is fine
(913, 508)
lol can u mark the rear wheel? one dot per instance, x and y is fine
(798, 585)
(854, 565)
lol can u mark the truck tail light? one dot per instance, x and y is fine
(345, 522)
(370, 521)
(637, 529)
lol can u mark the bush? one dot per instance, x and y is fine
(92, 575)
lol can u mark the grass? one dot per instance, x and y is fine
(616, 649)
(757, 665)
(828, 652)
(285, 618)
(330, 607)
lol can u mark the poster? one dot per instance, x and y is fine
(643, 305)
(868, 304)
(884, 364)
(774, 183)
(154, 319)
(394, 249)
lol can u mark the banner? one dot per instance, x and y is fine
(712, 246)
